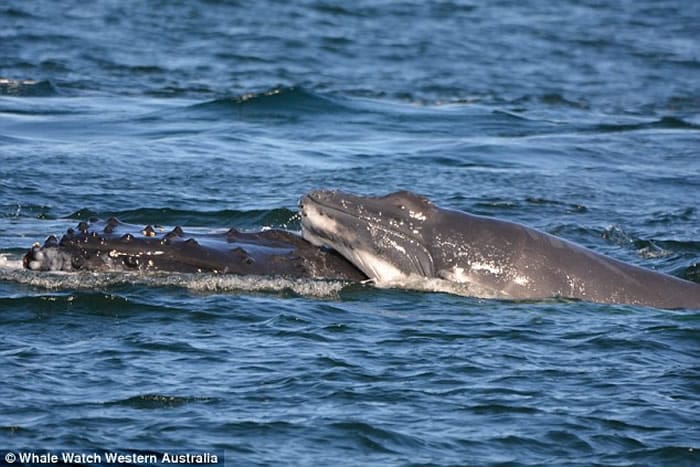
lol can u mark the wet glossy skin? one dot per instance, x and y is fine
(402, 236)
(116, 246)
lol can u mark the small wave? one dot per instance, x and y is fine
(375, 438)
(13, 430)
(691, 273)
(278, 102)
(664, 123)
(671, 216)
(658, 247)
(27, 88)
(25, 210)
(570, 207)
(15, 12)
(551, 99)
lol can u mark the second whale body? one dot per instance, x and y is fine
(116, 246)
(398, 238)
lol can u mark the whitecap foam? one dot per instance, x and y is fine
(8, 262)
(221, 283)
(12, 270)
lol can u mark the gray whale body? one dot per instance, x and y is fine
(116, 246)
(402, 235)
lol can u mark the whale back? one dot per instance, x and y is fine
(511, 260)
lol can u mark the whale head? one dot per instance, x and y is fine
(382, 236)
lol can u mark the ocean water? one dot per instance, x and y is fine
(580, 118)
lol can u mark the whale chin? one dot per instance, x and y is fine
(384, 248)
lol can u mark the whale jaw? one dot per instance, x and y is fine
(369, 236)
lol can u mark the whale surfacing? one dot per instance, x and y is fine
(116, 246)
(402, 236)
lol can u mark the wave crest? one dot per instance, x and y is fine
(27, 88)
(277, 102)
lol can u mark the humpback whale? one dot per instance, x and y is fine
(116, 246)
(402, 236)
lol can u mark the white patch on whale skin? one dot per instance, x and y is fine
(376, 268)
(487, 267)
(117, 253)
(393, 244)
(417, 215)
(459, 281)
(480, 284)
(521, 280)
(454, 274)
(320, 223)
(460, 274)
(313, 239)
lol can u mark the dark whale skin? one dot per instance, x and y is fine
(403, 234)
(112, 245)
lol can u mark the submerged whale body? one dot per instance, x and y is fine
(116, 246)
(397, 238)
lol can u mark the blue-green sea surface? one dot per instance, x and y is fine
(578, 118)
